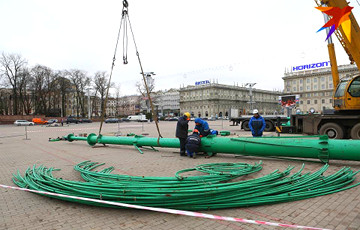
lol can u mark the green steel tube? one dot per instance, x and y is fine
(304, 147)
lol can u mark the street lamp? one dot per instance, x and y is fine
(149, 82)
(250, 94)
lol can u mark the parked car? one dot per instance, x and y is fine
(51, 121)
(112, 120)
(23, 122)
(39, 121)
(173, 119)
(71, 120)
(124, 119)
(85, 120)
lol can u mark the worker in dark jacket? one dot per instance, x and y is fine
(257, 124)
(193, 143)
(182, 128)
(202, 126)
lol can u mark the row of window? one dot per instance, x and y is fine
(323, 101)
(309, 80)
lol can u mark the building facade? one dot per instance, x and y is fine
(216, 100)
(315, 86)
(168, 102)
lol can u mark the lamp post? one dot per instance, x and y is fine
(149, 82)
(250, 94)
(89, 104)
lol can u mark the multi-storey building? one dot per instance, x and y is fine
(315, 86)
(212, 99)
(168, 102)
(129, 105)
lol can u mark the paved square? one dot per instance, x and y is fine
(23, 210)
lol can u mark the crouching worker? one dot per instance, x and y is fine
(202, 126)
(193, 143)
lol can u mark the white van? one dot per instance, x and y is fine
(140, 118)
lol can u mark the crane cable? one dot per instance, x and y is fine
(143, 75)
(125, 20)
(112, 68)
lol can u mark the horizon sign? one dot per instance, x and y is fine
(202, 82)
(311, 66)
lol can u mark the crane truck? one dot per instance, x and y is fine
(344, 120)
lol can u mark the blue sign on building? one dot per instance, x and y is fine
(311, 66)
(202, 82)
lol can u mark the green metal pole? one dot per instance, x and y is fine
(304, 147)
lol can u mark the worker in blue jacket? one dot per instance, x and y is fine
(257, 124)
(202, 126)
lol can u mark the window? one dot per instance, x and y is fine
(294, 82)
(301, 102)
(323, 101)
(301, 88)
(315, 80)
(308, 102)
(330, 100)
(307, 87)
(323, 86)
(354, 88)
(308, 80)
(322, 79)
(294, 88)
(315, 102)
(330, 86)
(309, 95)
(341, 89)
(301, 81)
(315, 87)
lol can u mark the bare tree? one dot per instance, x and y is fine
(11, 67)
(80, 81)
(63, 86)
(117, 98)
(100, 86)
(140, 86)
(24, 93)
(44, 89)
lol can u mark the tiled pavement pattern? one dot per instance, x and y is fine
(23, 210)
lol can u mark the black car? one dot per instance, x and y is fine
(125, 119)
(85, 120)
(112, 120)
(72, 120)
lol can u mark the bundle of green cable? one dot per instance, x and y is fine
(210, 191)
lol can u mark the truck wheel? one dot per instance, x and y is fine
(355, 132)
(245, 125)
(332, 130)
(268, 126)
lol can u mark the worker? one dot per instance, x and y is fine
(193, 143)
(257, 124)
(202, 126)
(182, 127)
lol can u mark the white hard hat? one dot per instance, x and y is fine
(255, 111)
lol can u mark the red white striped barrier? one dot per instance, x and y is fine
(166, 210)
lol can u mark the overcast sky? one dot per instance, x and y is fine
(232, 41)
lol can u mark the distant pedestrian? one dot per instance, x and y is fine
(182, 128)
(202, 126)
(193, 143)
(62, 122)
(257, 124)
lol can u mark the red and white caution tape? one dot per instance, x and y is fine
(166, 210)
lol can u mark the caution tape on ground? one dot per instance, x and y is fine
(166, 210)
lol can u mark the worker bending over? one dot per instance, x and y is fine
(202, 126)
(193, 143)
